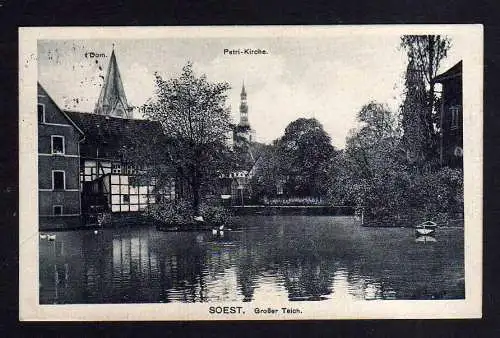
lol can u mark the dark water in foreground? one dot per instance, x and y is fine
(273, 259)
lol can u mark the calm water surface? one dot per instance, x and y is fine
(272, 259)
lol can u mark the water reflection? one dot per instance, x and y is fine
(425, 239)
(274, 258)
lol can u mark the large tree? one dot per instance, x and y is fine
(305, 153)
(416, 138)
(194, 116)
(370, 172)
(425, 53)
(267, 177)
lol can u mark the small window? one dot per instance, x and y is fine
(126, 198)
(41, 113)
(279, 189)
(116, 168)
(455, 115)
(57, 144)
(57, 210)
(131, 169)
(58, 180)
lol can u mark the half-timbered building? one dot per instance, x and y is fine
(108, 181)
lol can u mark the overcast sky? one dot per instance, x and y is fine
(326, 78)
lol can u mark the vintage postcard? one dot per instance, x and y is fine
(250, 173)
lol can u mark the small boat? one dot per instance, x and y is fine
(425, 228)
(43, 236)
(425, 239)
(51, 237)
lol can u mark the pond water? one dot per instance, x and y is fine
(273, 258)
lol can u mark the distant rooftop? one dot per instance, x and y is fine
(454, 71)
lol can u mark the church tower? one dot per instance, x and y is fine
(112, 100)
(243, 129)
(244, 108)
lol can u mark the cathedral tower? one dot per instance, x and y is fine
(112, 100)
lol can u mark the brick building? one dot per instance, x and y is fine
(58, 164)
(451, 119)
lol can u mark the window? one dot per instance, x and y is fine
(57, 144)
(41, 113)
(126, 198)
(279, 189)
(58, 180)
(116, 168)
(131, 169)
(57, 210)
(455, 115)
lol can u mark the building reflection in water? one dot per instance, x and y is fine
(287, 259)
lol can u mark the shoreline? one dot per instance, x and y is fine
(207, 227)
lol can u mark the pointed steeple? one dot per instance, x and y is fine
(244, 108)
(112, 100)
(243, 92)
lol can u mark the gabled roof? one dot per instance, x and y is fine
(112, 134)
(112, 100)
(454, 71)
(42, 91)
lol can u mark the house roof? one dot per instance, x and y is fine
(42, 91)
(112, 134)
(454, 71)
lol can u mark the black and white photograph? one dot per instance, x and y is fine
(269, 173)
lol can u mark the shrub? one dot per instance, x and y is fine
(438, 195)
(178, 212)
(181, 213)
(216, 214)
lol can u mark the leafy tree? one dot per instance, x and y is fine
(242, 149)
(425, 53)
(304, 153)
(413, 112)
(373, 172)
(193, 115)
(264, 181)
(370, 172)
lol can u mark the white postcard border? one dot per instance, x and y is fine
(29, 307)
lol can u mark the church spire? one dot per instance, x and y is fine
(244, 108)
(243, 92)
(112, 100)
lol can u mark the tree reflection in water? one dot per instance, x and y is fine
(273, 258)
